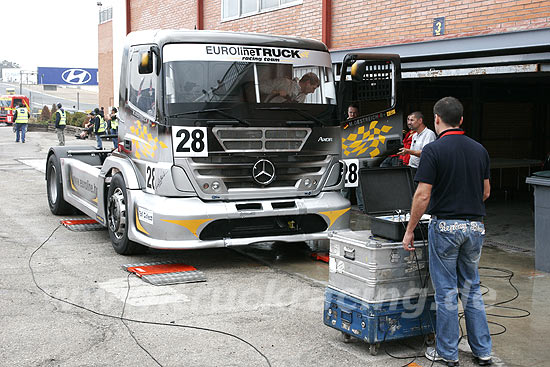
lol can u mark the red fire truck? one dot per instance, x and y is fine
(8, 104)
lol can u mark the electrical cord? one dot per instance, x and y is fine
(508, 274)
(123, 319)
(424, 284)
(128, 327)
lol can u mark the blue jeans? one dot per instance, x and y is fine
(115, 140)
(98, 140)
(455, 250)
(20, 130)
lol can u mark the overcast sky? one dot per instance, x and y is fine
(54, 33)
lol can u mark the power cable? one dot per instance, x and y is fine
(122, 318)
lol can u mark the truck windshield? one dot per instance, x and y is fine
(5, 102)
(299, 83)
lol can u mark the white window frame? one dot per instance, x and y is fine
(258, 10)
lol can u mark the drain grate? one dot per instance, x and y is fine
(82, 224)
(166, 272)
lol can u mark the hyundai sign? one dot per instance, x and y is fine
(67, 76)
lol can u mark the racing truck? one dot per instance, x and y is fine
(220, 143)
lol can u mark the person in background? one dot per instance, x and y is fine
(88, 128)
(60, 122)
(113, 128)
(353, 112)
(295, 90)
(21, 118)
(453, 184)
(100, 126)
(423, 136)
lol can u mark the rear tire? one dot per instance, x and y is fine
(118, 218)
(54, 187)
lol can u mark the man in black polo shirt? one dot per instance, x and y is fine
(453, 178)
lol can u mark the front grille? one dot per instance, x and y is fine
(267, 139)
(263, 226)
(236, 171)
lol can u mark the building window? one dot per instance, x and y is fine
(232, 9)
(105, 15)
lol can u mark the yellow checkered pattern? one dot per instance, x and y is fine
(144, 142)
(364, 143)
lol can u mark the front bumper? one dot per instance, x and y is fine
(183, 223)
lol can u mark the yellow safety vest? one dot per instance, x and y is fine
(114, 123)
(22, 116)
(102, 125)
(63, 119)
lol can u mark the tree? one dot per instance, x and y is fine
(45, 115)
(54, 108)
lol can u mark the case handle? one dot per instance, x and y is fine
(349, 253)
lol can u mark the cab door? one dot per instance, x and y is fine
(369, 82)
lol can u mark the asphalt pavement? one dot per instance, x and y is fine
(62, 295)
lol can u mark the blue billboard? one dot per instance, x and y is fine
(67, 76)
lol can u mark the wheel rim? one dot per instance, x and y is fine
(52, 188)
(117, 213)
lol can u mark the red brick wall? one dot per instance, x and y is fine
(163, 14)
(375, 23)
(105, 64)
(357, 23)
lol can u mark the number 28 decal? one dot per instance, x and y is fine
(352, 175)
(189, 141)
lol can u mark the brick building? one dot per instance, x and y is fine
(494, 55)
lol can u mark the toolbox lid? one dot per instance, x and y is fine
(386, 190)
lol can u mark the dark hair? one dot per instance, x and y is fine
(114, 110)
(310, 77)
(354, 105)
(450, 110)
(417, 114)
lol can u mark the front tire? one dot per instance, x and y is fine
(54, 186)
(118, 213)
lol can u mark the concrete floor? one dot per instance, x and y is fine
(507, 262)
(510, 248)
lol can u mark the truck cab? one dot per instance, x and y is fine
(224, 139)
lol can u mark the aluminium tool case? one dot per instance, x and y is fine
(378, 322)
(387, 198)
(377, 270)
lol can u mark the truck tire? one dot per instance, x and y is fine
(118, 218)
(54, 186)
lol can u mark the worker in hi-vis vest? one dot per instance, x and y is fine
(60, 122)
(100, 126)
(114, 126)
(21, 118)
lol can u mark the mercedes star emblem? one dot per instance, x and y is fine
(263, 172)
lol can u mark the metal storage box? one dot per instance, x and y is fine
(378, 322)
(377, 270)
(387, 198)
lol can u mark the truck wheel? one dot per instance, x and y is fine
(117, 218)
(54, 185)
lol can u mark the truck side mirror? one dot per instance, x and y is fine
(146, 63)
(358, 69)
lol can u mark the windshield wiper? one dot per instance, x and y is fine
(298, 111)
(217, 110)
